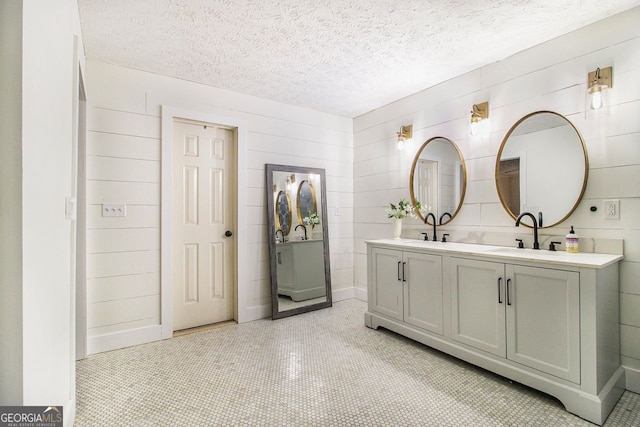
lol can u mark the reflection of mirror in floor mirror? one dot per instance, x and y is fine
(298, 239)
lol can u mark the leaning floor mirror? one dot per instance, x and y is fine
(298, 240)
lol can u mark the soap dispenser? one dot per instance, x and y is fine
(572, 242)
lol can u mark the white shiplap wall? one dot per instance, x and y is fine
(551, 76)
(124, 123)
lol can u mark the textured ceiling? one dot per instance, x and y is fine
(345, 57)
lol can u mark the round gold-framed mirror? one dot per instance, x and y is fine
(438, 179)
(306, 200)
(542, 166)
(283, 212)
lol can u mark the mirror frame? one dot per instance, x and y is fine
(413, 169)
(586, 168)
(313, 198)
(270, 169)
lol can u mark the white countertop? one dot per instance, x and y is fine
(580, 259)
(298, 241)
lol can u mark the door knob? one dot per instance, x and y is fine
(228, 233)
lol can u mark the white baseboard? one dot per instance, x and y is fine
(360, 294)
(633, 379)
(116, 340)
(342, 294)
(255, 313)
(69, 413)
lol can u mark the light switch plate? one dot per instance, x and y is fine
(612, 209)
(114, 209)
(70, 208)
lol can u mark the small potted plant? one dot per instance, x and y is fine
(398, 212)
(311, 221)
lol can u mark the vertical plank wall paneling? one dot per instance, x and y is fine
(124, 167)
(551, 76)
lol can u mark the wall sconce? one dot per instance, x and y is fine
(598, 82)
(290, 181)
(480, 126)
(406, 132)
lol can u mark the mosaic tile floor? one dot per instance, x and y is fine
(323, 368)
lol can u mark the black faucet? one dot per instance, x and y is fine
(442, 217)
(536, 245)
(303, 229)
(281, 233)
(430, 214)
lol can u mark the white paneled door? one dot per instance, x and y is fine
(203, 241)
(427, 171)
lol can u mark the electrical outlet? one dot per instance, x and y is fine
(114, 209)
(612, 209)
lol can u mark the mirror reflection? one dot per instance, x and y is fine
(283, 218)
(298, 246)
(306, 201)
(438, 179)
(542, 151)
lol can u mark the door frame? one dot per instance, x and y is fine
(240, 148)
(78, 300)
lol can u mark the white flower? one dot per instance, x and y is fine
(402, 209)
(312, 220)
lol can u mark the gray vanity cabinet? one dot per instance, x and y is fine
(530, 315)
(407, 286)
(300, 275)
(549, 320)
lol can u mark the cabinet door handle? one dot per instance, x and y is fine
(403, 279)
(279, 257)
(399, 278)
(499, 290)
(508, 293)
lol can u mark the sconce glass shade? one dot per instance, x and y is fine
(405, 134)
(597, 99)
(480, 129)
(480, 126)
(290, 182)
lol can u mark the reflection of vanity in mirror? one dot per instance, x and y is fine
(543, 151)
(438, 179)
(298, 245)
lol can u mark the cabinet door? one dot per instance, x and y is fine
(543, 320)
(386, 277)
(477, 304)
(284, 267)
(423, 291)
